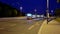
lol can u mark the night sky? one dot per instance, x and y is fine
(30, 5)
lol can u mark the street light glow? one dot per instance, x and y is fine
(35, 10)
(21, 8)
(51, 10)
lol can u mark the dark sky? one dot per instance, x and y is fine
(30, 5)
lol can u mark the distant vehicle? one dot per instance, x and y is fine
(33, 16)
(29, 16)
(38, 16)
(41, 15)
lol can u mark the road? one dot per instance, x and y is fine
(19, 26)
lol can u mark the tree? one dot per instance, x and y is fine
(14, 12)
(8, 11)
(57, 12)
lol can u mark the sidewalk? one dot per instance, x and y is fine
(14, 18)
(53, 27)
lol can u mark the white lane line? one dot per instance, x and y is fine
(33, 26)
(39, 32)
(30, 27)
(13, 25)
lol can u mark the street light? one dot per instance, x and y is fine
(52, 13)
(35, 12)
(21, 9)
(47, 10)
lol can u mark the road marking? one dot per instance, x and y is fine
(30, 27)
(39, 32)
(33, 26)
(13, 25)
(2, 28)
(37, 23)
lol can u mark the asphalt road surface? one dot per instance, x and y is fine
(19, 26)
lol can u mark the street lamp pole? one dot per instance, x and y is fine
(21, 9)
(52, 13)
(35, 12)
(47, 10)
